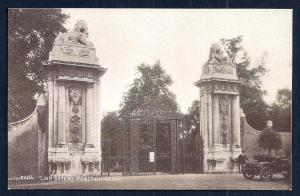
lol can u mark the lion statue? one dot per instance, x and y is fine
(217, 54)
(79, 35)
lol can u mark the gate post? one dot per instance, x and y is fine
(219, 111)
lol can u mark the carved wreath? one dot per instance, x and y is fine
(76, 94)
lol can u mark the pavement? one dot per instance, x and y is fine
(162, 182)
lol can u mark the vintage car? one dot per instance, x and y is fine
(265, 166)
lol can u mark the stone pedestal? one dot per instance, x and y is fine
(74, 108)
(219, 112)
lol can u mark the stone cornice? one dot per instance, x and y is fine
(92, 67)
(203, 81)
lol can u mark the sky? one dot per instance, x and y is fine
(180, 39)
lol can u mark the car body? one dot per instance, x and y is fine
(265, 166)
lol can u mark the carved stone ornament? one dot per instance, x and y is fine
(75, 127)
(67, 50)
(84, 52)
(76, 94)
(205, 70)
(78, 36)
(224, 106)
(224, 137)
(75, 120)
(223, 69)
(78, 72)
(217, 55)
(75, 138)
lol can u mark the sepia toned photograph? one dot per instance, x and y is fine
(150, 99)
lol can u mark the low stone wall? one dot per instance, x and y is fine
(249, 141)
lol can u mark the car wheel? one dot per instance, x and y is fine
(248, 176)
(266, 173)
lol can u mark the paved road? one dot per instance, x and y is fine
(167, 182)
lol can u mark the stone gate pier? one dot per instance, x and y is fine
(219, 113)
(74, 107)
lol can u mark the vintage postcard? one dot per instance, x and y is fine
(150, 99)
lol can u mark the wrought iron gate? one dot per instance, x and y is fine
(156, 133)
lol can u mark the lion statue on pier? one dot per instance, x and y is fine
(217, 54)
(79, 35)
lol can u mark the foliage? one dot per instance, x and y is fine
(31, 33)
(111, 129)
(190, 149)
(280, 111)
(149, 91)
(251, 94)
(192, 118)
(269, 140)
(192, 140)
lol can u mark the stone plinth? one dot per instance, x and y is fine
(74, 72)
(219, 112)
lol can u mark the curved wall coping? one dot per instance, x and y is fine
(25, 119)
(30, 115)
(257, 131)
(247, 124)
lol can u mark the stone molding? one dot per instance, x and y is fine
(216, 87)
(90, 158)
(59, 158)
(73, 72)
